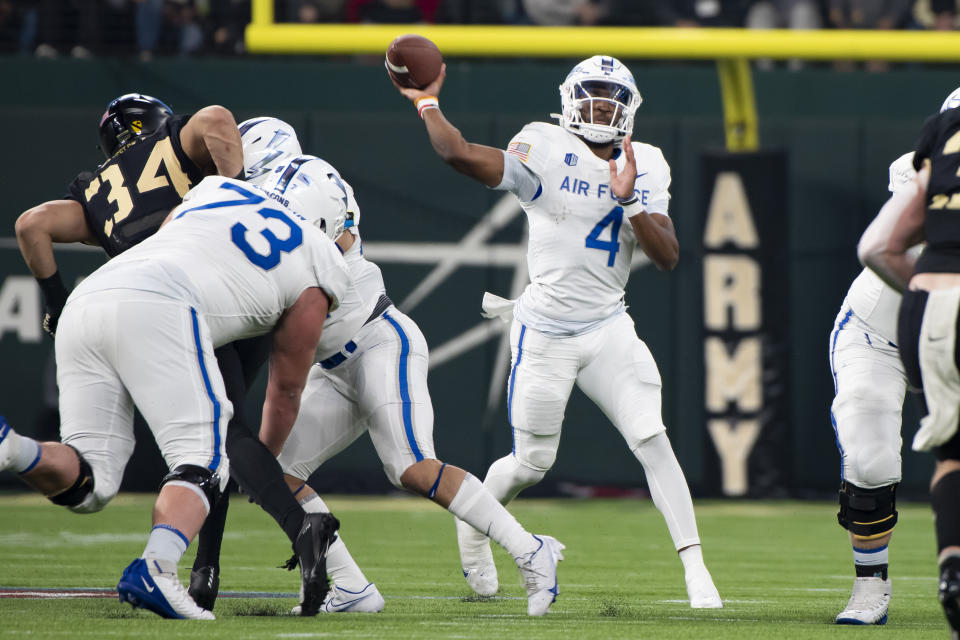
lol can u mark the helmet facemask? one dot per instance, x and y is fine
(599, 100)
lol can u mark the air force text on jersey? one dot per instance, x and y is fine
(579, 187)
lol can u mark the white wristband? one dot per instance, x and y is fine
(632, 207)
(427, 102)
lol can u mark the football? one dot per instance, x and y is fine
(413, 61)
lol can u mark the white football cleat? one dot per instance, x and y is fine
(869, 602)
(483, 580)
(153, 585)
(539, 572)
(367, 600)
(701, 590)
(340, 600)
(476, 559)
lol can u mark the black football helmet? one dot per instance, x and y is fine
(132, 114)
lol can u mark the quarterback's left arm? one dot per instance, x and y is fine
(294, 340)
(884, 246)
(656, 236)
(654, 231)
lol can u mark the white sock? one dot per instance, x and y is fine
(669, 490)
(166, 543)
(26, 451)
(476, 506)
(341, 566)
(692, 557)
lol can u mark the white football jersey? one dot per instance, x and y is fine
(581, 245)
(236, 256)
(361, 298)
(367, 277)
(365, 290)
(875, 302)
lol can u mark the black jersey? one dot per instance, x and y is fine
(940, 146)
(129, 195)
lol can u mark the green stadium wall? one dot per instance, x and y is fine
(840, 132)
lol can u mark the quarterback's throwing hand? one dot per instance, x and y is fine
(621, 183)
(432, 89)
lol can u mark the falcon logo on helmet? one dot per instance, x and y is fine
(311, 189)
(594, 81)
(129, 116)
(267, 143)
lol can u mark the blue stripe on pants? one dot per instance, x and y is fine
(206, 383)
(405, 388)
(833, 345)
(513, 379)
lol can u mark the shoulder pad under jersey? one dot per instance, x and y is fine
(653, 173)
(902, 172)
(533, 144)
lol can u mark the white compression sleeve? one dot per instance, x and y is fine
(669, 490)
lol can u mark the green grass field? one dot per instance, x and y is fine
(784, 570)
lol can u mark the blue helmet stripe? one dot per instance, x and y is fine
(249, 125)
(288, 174)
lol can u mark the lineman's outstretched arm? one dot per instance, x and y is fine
(252, 465)
(480, 162)
(884, 246)
(37, 229)
(211, 139)
(294, 340)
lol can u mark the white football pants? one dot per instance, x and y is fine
(611, 365)
(119, 348)
(380, 387)
(616, 370)
(870, 383)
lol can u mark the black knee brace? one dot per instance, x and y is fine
(202, 477)
(80, 489)
(867, 513)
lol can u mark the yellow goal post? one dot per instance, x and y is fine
(731, 48)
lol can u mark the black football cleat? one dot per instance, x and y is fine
(318, 532)
(949, 596)
(204, 586)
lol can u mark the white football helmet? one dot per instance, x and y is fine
(308, 186)
(266, 143)
(599, 79)
(952, 101)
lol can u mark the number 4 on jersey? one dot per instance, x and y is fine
(613, 220)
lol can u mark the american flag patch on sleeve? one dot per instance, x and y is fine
(519, 149)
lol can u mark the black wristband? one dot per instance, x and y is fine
(628, 201)
(54, 291)
(241, 176)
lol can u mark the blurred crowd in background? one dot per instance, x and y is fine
(147, 28)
